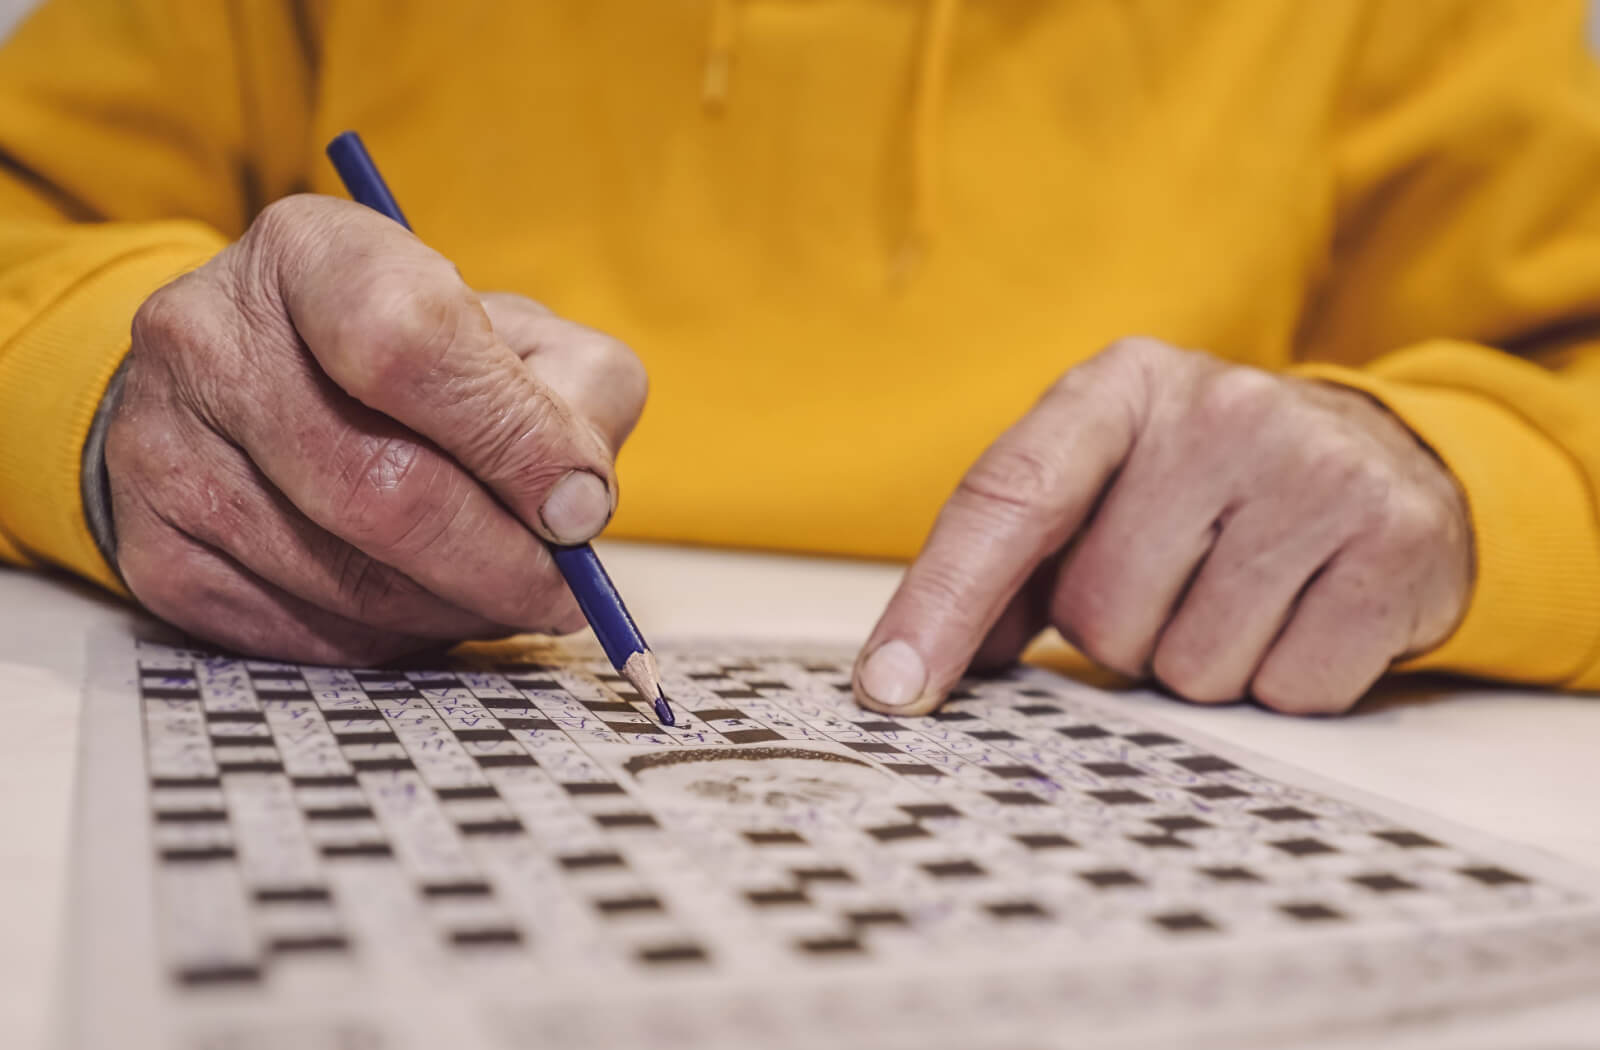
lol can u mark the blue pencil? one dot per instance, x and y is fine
(597, 596)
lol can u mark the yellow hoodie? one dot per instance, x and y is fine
(853, 239)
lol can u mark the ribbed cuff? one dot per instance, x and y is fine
(52, 376)
(1534, 615)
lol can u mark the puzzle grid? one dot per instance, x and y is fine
(308, 820)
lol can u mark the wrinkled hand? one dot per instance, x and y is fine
(1229, 532)
(329, 448)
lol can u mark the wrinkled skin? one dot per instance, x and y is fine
(1230, 533)
(328, 448)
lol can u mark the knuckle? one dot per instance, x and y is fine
(1299, 690)
(165, 322)
(1014, 479)
(399, 328)
(1237, 398)
(1190, 672)
(1139, 352)
(1413, 522)
(1080, 613)
(284, 225)
(624, 371)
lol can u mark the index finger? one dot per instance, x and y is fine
(393, 324)
(1020, 502)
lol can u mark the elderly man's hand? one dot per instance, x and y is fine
(1229, 532)
(328, 448)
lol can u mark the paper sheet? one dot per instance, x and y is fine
(510, 852)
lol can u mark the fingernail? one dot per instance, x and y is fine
(577, 508)
(893, 675)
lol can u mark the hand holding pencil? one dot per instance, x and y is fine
(326, 447)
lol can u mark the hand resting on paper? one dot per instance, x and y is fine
(328, 448)
(1227, 532)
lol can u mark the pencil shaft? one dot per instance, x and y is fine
(601, 603)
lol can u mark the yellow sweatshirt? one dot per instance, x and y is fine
(854, 239)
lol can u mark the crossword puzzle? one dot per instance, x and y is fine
(312, 827)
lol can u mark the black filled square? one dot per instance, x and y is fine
(830, 946)
(737, 694)
(805, 876)
(953, 716)
(717, 714)
(600, 787)
(993, 734)
(461, 888)
(492, 937)
(775, 838)
(673, 953)
(1016, 910)
(1045, 840)
(1283, 813)
(750, 736)
(879, 727)
(1311, 912)
(1182, 823)
(1016, 798)
(1218, 791)
(1492, 876)
(628, 905)
(1110, 878)
(535, 684)
(929, 810)
(468, 791)
(480, 736)
(537, 724)
(515, 758)
(496, 826)
(954, 869)
(872, 747)
(591, 861)
(1231, 874)
(914, 769)
(1160, 841)
(1382, 882)
(1037, 709)
(1405, 839)
(1113, 769)
(1084, 732)
(898, 832)
(779, 898)
(1205, 764)
(1120, 798)
(1183, 922)
(1150, 739)
(1303, 847)
(1018, 771)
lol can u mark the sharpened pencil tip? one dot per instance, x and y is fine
(664, 712)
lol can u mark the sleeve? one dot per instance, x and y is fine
(137, 137)
(1462, 291)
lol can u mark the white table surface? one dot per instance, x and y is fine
(1524, 766)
